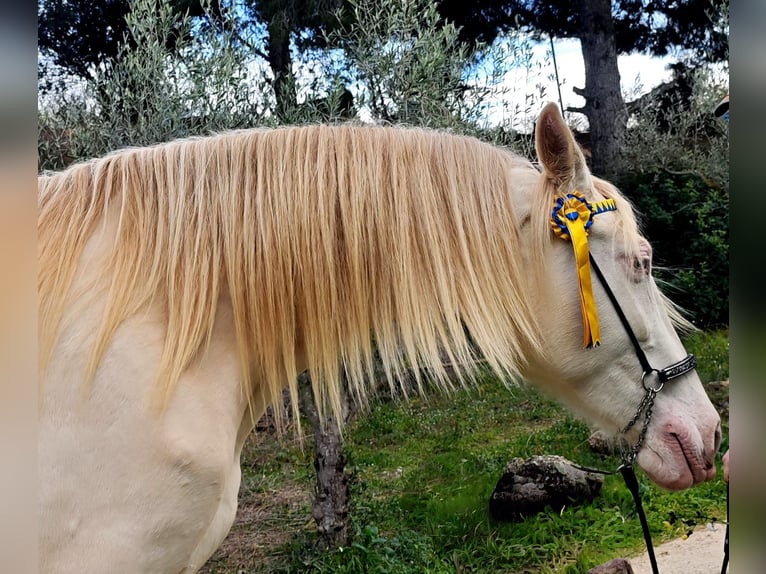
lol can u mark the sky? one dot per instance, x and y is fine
(637, 71)
(528, 91)
(525, 89)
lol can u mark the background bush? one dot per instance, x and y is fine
(150, 94)
(677, 175)
(686, 220)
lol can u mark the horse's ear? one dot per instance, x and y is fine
(560, 156)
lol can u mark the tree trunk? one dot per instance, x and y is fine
(604, 106)
(331, 500)
(280, 61)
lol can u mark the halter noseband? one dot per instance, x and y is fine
(571, 219)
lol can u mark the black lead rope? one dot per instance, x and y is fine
(629, 476)
(645, 407)
(726, 539)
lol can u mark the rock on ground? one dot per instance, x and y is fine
(616, 566)
(529, 485)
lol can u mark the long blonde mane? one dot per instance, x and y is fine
(329, 241)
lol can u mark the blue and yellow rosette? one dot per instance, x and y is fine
(571, 219)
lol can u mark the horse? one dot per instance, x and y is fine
(183, 286)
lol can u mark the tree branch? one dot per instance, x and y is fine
(252, 47)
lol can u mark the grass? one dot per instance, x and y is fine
(422, 473)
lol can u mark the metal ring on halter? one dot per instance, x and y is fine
(659, 380)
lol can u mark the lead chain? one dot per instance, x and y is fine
(646, 406)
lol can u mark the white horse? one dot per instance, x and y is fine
(183, 286)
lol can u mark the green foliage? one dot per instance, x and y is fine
(686, 219)
(85, 38)
(79, 35)
(677, 175)
(148, 95)
(409, 64)
(712, 351)
(375, 553)
(410, 67)
(678, 133)
(391, 61)
(423, 471)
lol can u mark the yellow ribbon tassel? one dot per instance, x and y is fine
(570, 219)
(591, 331)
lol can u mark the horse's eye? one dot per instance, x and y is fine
(642, 265)
(639, 267)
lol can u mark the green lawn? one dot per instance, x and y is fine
(422, 472)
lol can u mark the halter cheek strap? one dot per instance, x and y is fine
(663, 375)
(653, 380)
(571, 219)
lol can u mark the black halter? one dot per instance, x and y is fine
(668, 373)
(570, 219)
(653, 380)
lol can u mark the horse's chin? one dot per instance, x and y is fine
(675, 464)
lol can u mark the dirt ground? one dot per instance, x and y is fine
(700, 553)
(264, 523)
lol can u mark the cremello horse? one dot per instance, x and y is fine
(183, 286)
